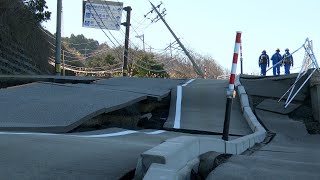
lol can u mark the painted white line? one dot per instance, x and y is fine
(155, 132)
(90, 136)
(178, 108)
(109, 135)
(190, 81)
(177, 118)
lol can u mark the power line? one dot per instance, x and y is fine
(124, 33)
(111, 14)
(152, 70)
(99, 23)
(103, 22)
(62, 50)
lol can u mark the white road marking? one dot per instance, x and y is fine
(178, 108)
(108, 135)
(121, 133)
(155, 132)
(178, 104)
(190, 81)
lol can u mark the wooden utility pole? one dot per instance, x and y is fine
(196, 67)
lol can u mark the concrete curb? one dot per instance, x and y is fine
(244, 101)
(175, 158)
(176, 154)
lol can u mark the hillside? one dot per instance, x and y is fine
(24, 48)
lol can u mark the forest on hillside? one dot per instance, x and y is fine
(141, 63)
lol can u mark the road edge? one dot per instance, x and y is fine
(178, 156)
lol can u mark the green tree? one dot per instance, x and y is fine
(82, 44)
(103, 61)
(145, 66)
(39, 9)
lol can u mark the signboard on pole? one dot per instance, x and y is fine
(102, 14)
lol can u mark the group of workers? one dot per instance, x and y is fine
(278, 60)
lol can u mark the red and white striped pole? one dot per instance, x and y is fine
(230, 91)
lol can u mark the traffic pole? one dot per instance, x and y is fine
(230, 91)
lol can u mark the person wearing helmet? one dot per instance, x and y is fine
(263, 62)
(276, 58)
(287, 61)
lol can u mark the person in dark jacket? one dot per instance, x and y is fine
(287, 61)
(264, 62)
(276, 58)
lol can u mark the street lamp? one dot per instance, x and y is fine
(142, 38)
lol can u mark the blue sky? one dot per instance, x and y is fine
(209, 26)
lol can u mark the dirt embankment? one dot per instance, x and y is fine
(20, 32)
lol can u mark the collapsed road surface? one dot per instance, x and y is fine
(33, 114)
(30, 113)
(291, 153)
(201, 106)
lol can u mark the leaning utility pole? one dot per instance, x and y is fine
(197, 69)
(58, 39)
(126, 42)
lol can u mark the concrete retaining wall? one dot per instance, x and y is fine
(175, 158)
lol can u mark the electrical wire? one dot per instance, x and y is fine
(103, 22)
(151, 70)
(95, 53)
(137, 34)
(99, 23)
(129, 39)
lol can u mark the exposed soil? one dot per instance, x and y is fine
(304, 114)
(147, 114)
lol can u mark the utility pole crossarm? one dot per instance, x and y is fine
(197, 69)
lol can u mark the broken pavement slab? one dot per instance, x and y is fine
(274, 87)
(13, 80)
(277, 107)
(57, 108)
